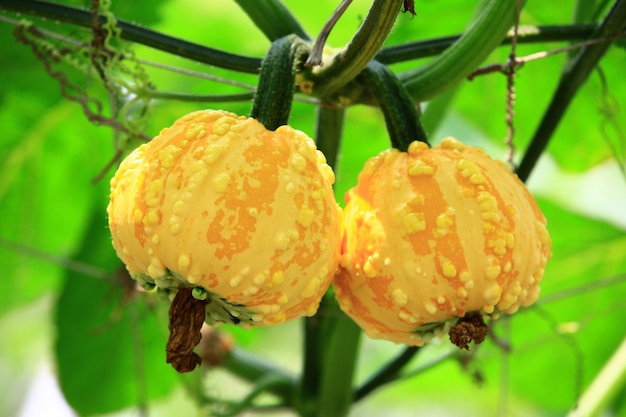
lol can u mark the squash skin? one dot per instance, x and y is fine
(245, 216)
(434, 233)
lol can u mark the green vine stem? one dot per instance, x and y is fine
(199, 53)
(341, 344)
(584, 11)
(401, 115)
(329, 129)
(365, 44)
(484, 34)
(264, 384)
(135, 33)
(251, 368)
(274, 94)
(574, 76)
(387, 373)
(319, 328)
(312, 359)
(526, 34)
(272, 18)
(200, 98)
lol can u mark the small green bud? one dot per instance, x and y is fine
(199, 293)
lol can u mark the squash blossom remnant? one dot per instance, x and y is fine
(433, 235)
(244, 217)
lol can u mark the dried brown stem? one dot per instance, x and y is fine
(409, 6)
(470, 328)
(510, 88)
(186, 318)
(520, 61)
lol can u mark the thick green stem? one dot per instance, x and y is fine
(331, 347)
(312, 365)
(365, 44)
(273, 18)
(583, 13)
(274, 95)
(401, 115)
(601, 6)
(329, 128)
(574, 76)
(464, 56)
(135, 33)
(318, 329)
(339, 363)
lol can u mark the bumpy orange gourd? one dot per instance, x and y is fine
(244, 216)
(435, 233)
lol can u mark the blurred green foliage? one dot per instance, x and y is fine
(108, 347)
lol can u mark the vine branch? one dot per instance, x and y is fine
(510, 88)
(387, 373)
(365, 44)
(135, 33)
(574, 76)
(315, 58)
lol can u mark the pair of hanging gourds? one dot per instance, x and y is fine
(247, 218)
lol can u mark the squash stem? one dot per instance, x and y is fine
(274, 95)
(401, 114)
(365, 44)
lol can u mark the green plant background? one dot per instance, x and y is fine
(53, 221)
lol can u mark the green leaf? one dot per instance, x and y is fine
(110, 347)
(43, 167)
(584, 249)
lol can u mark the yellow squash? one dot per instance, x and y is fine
(244, 216)
(433, 234)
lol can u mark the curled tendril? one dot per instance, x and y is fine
(118, 70)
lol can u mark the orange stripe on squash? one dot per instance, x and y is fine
(434, 233)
